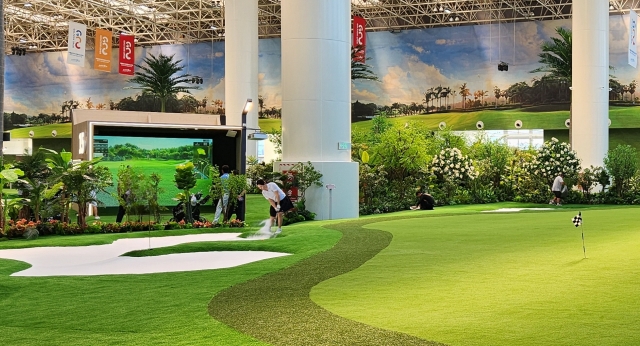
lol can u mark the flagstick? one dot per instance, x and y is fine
(584, 249)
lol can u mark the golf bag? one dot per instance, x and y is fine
(179, 211)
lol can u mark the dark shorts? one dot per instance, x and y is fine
(558, 194)
(285, 205)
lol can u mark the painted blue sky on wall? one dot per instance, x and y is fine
(407, 63)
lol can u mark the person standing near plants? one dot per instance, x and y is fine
(224, 201)
(279, 201)
(556, 188)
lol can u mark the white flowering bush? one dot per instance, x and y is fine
(450, 164)
(553, 158)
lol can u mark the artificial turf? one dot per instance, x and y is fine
(452, 275)
(500, 279)
(276, 307)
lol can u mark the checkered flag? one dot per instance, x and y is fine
(577, 220)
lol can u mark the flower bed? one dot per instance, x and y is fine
(17, 229)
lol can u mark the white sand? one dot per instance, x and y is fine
(105, 259)
(511, 210)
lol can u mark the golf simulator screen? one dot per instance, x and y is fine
(149, 155)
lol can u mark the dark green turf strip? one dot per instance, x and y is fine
(276, 307)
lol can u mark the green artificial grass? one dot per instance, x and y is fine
(453, 275)
(276, 307)
(152, 309)
(500, 279)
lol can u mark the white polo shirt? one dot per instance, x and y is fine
(272, 191)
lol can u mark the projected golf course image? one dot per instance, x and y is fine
(154, 155)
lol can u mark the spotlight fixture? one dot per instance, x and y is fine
(503, 66)
(196, 80)
(18, 51)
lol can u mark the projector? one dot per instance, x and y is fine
(258, 136)
(503, 66)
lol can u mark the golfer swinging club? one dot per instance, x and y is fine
(279, 201)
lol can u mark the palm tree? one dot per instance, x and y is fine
(360, 69)
(445, 93)
(427, 97)
(497, 93)
(438, 91)
(464, 92)
(556, 60)
(157, 78)
(632, 90)
(453, 95)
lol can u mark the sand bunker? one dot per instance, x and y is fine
(511, 210)
(106, 260)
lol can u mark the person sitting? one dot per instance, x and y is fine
(425, 201)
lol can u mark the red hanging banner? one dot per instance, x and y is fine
(359, 39)
(126, 55)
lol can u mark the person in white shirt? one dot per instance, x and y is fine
(556, 188)
(279, 201)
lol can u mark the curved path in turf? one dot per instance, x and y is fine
(276, 308)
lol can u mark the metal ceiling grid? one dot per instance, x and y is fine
(42, 25)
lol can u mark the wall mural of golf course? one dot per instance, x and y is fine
(435, 75)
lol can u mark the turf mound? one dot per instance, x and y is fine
(276, 307)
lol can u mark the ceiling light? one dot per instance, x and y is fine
(447, 11)
(457, 18)
(450, 19)
(27, 4)
(213, 27)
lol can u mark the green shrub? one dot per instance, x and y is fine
(622, 165)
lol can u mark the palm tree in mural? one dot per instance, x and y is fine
(497, 93)
(482, 94)
(453, 95)
(438, 93)
(427, 97)
(464, 92)
(556, 60)
(360, 69)
(632, 90)
(160, 77)
(445, 94)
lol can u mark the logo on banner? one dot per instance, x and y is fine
(359, 39)
(126, 55)
(77, 39)
(102, 60)
(76, 44)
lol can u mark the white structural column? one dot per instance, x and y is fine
(590, 81)
(316, 100)
(241, 63)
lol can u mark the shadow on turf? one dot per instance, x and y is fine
(276, 308)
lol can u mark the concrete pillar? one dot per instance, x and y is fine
(241, 63)
(590, 81)
(316, 99)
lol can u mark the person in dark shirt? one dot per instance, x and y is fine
(425, 201)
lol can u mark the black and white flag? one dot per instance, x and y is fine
(577, 220)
